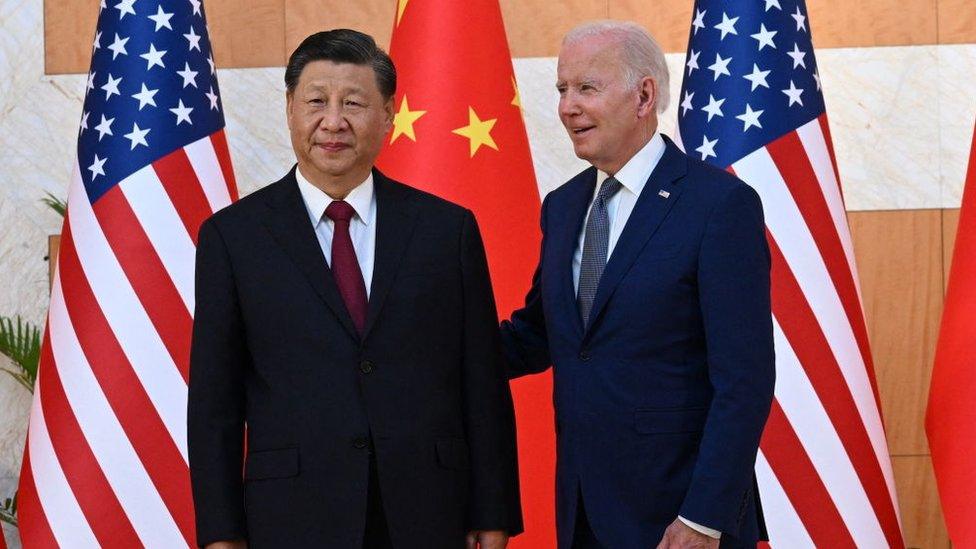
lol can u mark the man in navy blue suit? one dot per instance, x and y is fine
(651, 302)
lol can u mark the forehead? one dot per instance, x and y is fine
(332, 76)
(597, 56)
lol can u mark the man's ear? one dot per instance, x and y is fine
(389, 108)
(647, 96)
(289, 96)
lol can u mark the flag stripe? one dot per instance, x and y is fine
(144, 428)
(782, 521)
(791, 159)
(116, 457)
(164, 228)
(825, 130)
(794, 313)
(219, 141)
(184, 190)
(58, 503)
(804, 488)
(203, 158)
(92, 490)
(808, 417)
(785, 222)
(128, 320)
(145, 272)
(32, 525)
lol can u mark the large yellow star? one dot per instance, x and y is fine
(517, 100)
(478, 131)
(403, 121)
(401, 7)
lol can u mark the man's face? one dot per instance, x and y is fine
(338, 121)
(606, 116)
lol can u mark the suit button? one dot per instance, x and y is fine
(360, 443)
(366, 367)
(584, 355)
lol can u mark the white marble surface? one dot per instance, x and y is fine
(957, 111)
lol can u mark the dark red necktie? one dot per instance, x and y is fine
(345, 266)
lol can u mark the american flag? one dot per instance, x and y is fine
(106, 458)
(751, 103)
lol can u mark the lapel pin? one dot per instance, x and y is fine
(663, 193)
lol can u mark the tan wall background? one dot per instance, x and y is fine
(903, 256)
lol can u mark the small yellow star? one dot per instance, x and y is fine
(478, 131)
(403, 121)
(401, 7)
(517, 100)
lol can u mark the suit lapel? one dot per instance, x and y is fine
(396, 214)
(567, 235)
(649, 211)
(288, 223)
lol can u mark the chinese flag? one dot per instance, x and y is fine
(951, 418)
(458, 133)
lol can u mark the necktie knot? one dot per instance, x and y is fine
(340, 211)
(609, 187)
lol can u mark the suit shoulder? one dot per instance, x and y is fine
(248, 206)
(431, 203)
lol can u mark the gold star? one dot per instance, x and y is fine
(401, 7)
(403, 121)
(478, 131)
(517, 100)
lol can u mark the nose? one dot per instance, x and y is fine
(568, 104)
(333, 119)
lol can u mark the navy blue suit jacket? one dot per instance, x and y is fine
(661, 400)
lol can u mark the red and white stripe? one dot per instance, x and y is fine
(106, 460)
(824, 471)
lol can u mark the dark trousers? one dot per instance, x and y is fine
(583, 536)
(377, 534)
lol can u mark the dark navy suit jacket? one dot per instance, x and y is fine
(661, 400)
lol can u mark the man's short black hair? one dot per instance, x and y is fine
(343, 46)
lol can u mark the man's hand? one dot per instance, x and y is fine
(681, 536)
(486, 539)
(236, 544)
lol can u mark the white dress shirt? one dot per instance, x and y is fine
(632, 177)
(362, 226)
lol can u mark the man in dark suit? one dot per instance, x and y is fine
(652, 303)
(347, 322)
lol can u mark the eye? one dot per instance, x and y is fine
(561, 88)
(315, 101)
(352, 103)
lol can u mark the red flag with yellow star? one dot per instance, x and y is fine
(458, 133)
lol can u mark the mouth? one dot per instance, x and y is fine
(581, 131)
(333, 146)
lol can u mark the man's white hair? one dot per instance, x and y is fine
(641, 54)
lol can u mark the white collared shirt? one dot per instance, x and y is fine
(632, 177)
(362, 227)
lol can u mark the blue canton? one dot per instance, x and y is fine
(152, 88)
(749, 77)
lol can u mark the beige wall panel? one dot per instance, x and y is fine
(899, 261)
(668, 20)
(536, 27)
(950, 221)
(69, 28)
(918, 498)
(304, 17)
(53, 245)
(957, 22)
(843, 24)
(247, 33)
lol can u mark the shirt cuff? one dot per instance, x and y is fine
(710, 532)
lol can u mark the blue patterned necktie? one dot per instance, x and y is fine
(595, 244)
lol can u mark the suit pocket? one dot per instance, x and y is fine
(452, 453)
(268, 464)
(669, 421)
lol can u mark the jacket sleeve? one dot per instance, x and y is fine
(734, 294)
(489, 418)
(215, 414)
(524, 340)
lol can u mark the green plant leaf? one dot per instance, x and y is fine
(55, 203)
(21, 341)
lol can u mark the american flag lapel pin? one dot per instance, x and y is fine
(663, 193)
